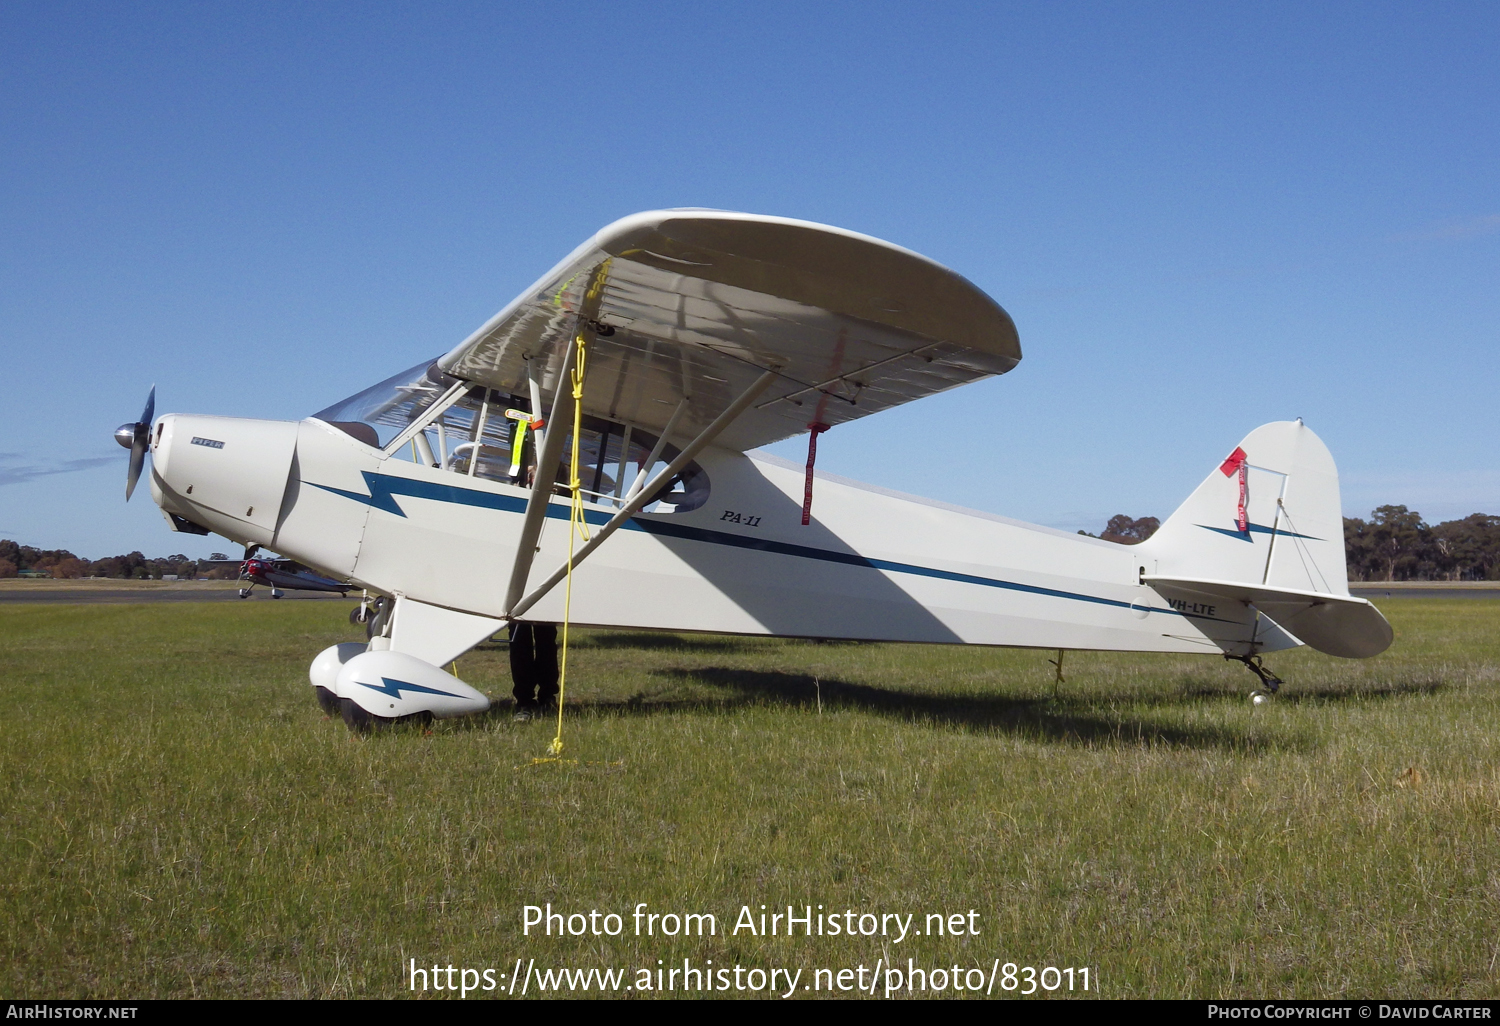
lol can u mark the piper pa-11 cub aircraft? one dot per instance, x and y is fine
(633, 382)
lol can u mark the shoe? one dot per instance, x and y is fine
(522, 716)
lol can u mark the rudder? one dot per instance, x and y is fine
(1291, 533)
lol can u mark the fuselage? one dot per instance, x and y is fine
(872, 564)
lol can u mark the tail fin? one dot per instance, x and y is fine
(1266, 529)
(1291, 532)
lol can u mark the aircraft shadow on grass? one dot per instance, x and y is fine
(1053, 719)
(1298, 693)
(1056, 718)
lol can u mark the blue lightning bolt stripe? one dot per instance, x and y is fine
(1257, 529)
(383, 491)
(395, 687)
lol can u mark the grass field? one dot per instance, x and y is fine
(177, 818)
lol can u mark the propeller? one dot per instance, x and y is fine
(137, 438)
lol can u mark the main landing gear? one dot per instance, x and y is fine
(1269, 681)
(372, 687)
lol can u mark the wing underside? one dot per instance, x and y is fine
(696, 305)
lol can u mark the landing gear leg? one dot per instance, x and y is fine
(1269, 681)
(377, 613)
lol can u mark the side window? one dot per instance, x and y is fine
(612, 458)
(487, 434)
(475, 437)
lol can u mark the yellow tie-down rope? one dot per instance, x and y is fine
(577, 526)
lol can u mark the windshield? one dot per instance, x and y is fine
(381, 412)
(485, 433)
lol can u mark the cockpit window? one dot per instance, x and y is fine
(490, 434)
(380, 413)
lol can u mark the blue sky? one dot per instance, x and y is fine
(1201, 216)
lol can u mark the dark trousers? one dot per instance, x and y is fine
(533, 663)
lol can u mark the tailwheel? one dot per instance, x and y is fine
(1270, 683)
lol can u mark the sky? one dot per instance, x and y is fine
(1202, 217)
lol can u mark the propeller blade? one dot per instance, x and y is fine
(140, 440)
(137, 461)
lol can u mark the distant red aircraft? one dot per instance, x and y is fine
(281, 575)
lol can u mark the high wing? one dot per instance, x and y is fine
(697, 304)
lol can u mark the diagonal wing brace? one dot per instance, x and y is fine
(541, 487)
(643, 495)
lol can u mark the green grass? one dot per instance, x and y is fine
(177, 818)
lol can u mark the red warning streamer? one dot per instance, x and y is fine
(812, 456)
(1241, 517)
(1239, 462)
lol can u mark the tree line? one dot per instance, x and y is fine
(17, 559)
(1393, 545)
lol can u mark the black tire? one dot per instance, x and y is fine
(327, 701)
(357, 719)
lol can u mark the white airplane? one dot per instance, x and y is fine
(702, 335)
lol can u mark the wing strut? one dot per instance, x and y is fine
(640, 479)
(643, 495)
(541, 486)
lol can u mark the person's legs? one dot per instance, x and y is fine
(544, 671)
(522, 664)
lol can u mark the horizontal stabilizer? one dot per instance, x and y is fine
(1339, 625)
